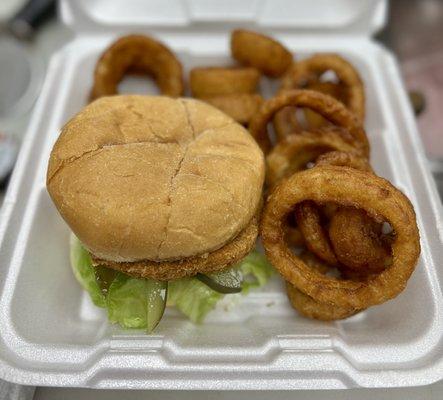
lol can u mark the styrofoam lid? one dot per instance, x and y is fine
(364, 17)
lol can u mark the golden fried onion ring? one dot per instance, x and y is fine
(329, 108)
(348, 187)
(309, 307)
(260, 51)
(336, 90)
(302, 71)
(344, 159)
(137, 53)
(293, 236)
(241, 107)
(291, 155)
(355, 237)
(356, 240)
(306, 74)
(296, 150)
(285, 121)
(217, 81)
(315, 237)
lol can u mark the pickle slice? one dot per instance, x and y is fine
(104, 277)
(157, 295)
(227, 281)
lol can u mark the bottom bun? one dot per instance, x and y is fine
(217, 260)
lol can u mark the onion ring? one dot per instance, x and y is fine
(260, 51)
(217, 81)
(329, 108)
(291, 155)
(306, 74)
(241, 107)
(139, 53)
(296, 150)
(312, 261)
(336, 90)
(354, 275)
(357, 241)
(293, 236)
(355, 237)
(309, 307)
(316, 240)
(301, 72)
(285, 123)
(344, 159)
(348, 187)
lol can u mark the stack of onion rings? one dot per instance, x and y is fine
(328, 107)
(339, 207)
(353, 242)
(292, 154)
(230, 89)
(343, 186)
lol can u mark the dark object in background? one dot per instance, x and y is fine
(8, 154)
(418, 101)
(30, 17)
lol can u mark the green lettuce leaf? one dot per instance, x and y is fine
(256, 271)
(126, 300)
(192, 297)
(81, 264)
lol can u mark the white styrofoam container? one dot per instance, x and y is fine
(51, 334)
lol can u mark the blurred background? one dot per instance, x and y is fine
(30, 33)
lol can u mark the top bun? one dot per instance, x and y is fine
(154, 178)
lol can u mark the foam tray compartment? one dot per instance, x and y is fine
(51, 334)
